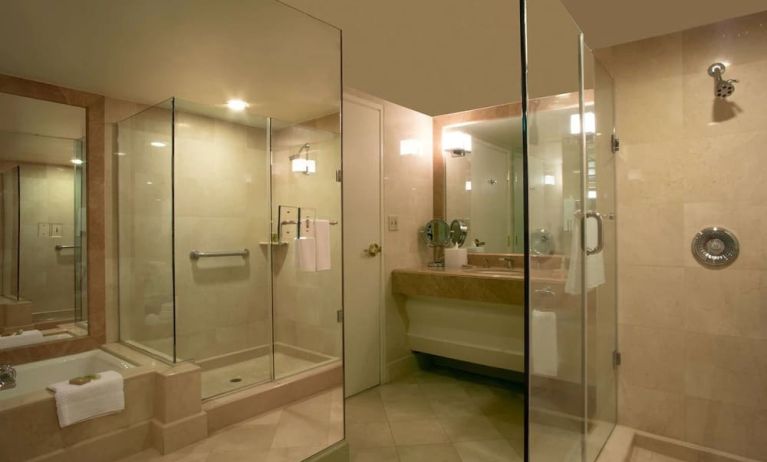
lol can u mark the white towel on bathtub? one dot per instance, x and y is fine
(75, 403)
(28, 337)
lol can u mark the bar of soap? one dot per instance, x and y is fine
(80, 380)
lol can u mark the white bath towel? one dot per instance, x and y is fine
(595, 264)
(306, 254)
(28, 337)
(322, 237)
(545, 354)
(102, 396)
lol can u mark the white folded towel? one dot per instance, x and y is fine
(306, 254)
(322, 242)
(545, 351)
(28, 337)
(102, 396)
(595, 265)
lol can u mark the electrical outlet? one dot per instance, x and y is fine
(393, 223)
(43, 229)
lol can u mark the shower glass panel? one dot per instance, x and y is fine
(10, 229)
(306, 159)
(221, 211)
(601, 267)
(572, 407)
(145, 235)
(80, 236)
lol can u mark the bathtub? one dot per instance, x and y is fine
(36, 376)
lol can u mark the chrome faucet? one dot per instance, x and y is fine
(509, 262)
(7, 377)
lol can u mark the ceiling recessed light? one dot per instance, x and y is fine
(158, 144)
(237, 105)
(77, 161)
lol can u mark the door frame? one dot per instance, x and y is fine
(383, 375)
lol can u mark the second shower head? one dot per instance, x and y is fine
(722, 87)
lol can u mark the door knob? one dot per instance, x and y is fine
(373, 250)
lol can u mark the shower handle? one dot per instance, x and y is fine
(600, 232)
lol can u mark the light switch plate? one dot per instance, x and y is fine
(43, 229)
(393, 222)
(57, 229)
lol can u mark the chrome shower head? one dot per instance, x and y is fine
(722, 88)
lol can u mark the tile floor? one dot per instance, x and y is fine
(290, 434)
(643, 455)
(438, 416)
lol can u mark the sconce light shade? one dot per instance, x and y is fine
(468, 185)
(458, 144)
(549, 179)
(301, 165)
(589, 121)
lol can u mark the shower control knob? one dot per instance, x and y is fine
(715, 246)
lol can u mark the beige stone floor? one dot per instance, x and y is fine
(290, 434)
(643, 455)
(438, 416)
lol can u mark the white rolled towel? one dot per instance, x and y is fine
(102, 396)
(322, 242)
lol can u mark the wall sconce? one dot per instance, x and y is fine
(549, 179)
(410, 147)
(303, 165)
(458, 144)
(589, 120)
(468, 185)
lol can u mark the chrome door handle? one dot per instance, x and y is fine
(600, 232)
(372, 250)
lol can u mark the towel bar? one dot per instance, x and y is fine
(195, 254)
(65, 246)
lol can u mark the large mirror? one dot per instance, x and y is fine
(483, 161)
(44, 242)
(482, 158)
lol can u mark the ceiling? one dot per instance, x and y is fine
(443, 56)
(286, 64)
(435, 56)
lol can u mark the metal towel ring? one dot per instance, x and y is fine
(715, 247)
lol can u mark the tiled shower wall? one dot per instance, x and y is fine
(693, 339)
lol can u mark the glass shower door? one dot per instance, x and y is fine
(570, 241)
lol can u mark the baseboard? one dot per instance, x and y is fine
(400, 367)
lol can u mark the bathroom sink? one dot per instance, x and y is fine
(494, 271)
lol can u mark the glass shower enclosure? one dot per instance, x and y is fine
(211, 213)
(570, 203)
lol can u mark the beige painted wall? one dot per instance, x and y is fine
(693, 339)
(408, 194)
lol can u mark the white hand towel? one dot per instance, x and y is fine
(306, 254)
(544, 348)
(595, 266)
(28, 337)
(322, 236)
(75, 403)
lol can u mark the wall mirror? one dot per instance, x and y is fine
(483, 165)
(479, 159)
(44, 218)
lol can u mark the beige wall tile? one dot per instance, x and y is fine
(658, 364)
(691, 161)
